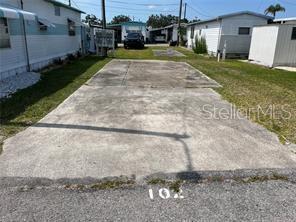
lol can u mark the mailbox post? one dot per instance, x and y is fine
(105, 39)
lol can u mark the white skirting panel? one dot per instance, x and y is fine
(42, 50)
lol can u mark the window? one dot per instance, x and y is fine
(293, 33)
(133, 35)
(4, 34)
(244, 31)
(71, 27)
(192, 32)
(57, 10)
(133, 31)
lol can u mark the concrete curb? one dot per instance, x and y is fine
(289, 174)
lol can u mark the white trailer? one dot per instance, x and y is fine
(230, 33)
(274, 45)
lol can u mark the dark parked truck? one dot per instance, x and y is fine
(134, 40)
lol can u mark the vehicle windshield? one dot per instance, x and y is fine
(133, 35)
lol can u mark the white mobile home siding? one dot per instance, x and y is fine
(43, 46)
(175, 33)
(238, 44)
(272, 45)
(13, 59)
(285, 54)
(263, 45)
(211, 32)
(223, 33)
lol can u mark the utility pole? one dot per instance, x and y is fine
(179, 22)
(25, 39)
(185, 9)
(69, 2)
(103, 14)
(104, 49)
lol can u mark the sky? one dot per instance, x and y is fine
(139, 10)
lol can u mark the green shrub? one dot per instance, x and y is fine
(78, 54)
(70, 57)
(58, 61)
(200, 46)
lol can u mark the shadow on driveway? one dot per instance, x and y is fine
(177, 137)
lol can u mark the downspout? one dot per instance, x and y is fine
(219, 37)
(25, 38)
(81, 40)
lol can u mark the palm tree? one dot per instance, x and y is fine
(273, 9)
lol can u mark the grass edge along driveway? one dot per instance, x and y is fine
(28, 106)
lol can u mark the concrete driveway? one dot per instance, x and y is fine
(140, 118)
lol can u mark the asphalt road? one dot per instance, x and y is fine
(216, 201)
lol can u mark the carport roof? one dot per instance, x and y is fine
(128, 23)
(167, 27)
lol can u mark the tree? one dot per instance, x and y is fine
(120, 18)
(273, 9)
(158, 21)
(92, 20)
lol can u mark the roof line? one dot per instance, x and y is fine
(168, 26)
(285, 19)
(231, 15)
(64, 6)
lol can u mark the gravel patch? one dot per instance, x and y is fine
(12, 84)
(168, 52)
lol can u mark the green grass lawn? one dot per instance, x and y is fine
(245, 85)
(29, 105)
(268, 96)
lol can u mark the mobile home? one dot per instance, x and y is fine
(274, 45)
(230, 33)
(35, 33)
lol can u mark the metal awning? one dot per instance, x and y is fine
(45, 22)
(8, 13)
(15, 13)
(28, 15)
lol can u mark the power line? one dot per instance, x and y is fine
(286, 2)
(198, 12)
(142, 4)
(132, 9)
(75, 4)
(260, 5)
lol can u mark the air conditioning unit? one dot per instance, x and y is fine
(43, 27)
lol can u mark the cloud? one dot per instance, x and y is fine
(151, 6)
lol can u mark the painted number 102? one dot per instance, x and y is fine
(165, 193)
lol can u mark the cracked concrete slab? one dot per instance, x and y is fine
(141, 118)
(151, 74)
